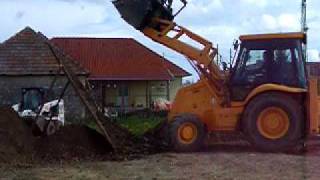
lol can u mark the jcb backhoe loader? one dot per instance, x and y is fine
(266, 95)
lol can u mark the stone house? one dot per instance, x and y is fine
(27, 61)
(124, 73)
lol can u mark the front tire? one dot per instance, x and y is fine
(187, 133)
(273, 122)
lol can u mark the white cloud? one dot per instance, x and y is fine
(313, 55)
(217, 20)
(289, 22)
(283, 22)
(258, 3)
(51, 17)
(269, 22)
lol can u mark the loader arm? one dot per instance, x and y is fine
(201, 59)
(158, 25)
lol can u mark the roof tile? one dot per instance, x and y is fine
(118, 59)
(29, 53)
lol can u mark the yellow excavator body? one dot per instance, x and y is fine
(197, 99)
(266, 95)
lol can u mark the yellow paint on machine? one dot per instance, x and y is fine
(197, 99)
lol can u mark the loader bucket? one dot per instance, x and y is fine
(139, 13)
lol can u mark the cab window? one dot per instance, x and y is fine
(269, 61)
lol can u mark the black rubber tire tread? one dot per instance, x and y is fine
(173, 130)
(286, 103)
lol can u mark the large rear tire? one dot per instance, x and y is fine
(273, 122)
(187, 133)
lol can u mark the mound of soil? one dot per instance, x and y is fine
(16, 140)
(73, 142)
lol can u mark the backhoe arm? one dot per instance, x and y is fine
(201, 59)
(155, 20)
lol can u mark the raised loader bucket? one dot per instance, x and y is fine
(139, 13)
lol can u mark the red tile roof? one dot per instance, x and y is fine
(30, 53)
(119, 59)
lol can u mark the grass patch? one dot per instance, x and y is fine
(135, 124)
(140, 125)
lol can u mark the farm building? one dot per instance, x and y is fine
(124, 73)
(27, 60)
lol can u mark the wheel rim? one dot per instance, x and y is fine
(273, 123)
(187, 133)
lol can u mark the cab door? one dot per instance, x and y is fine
(251, 72)
(267, 62)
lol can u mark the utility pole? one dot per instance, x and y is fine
(304, 26)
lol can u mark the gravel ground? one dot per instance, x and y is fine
(219, 162)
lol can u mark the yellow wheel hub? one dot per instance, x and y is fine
(187, 133)
(273, 123)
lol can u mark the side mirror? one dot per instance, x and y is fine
(236, 44)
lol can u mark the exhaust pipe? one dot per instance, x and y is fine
(139, 13)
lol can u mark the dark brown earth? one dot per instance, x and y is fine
(128, 146)
(16, 140)
(73, 142)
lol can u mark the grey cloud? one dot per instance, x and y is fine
(20, 14)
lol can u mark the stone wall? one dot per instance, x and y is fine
(10, 93)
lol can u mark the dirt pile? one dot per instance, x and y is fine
(16, 140)
(73, 142)
(129, 146)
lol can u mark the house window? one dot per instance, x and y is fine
(124, 90)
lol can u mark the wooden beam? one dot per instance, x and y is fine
(168, 90)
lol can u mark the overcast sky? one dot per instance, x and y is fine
(220, 21)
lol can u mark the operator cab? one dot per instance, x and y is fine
(268, 59)
(32, 98)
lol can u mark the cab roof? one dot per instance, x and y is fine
(294, 35)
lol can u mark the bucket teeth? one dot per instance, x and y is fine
(139, 13)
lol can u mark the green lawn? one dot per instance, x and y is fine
(135, 124)
(138, 125)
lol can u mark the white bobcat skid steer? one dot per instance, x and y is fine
(51, 115)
